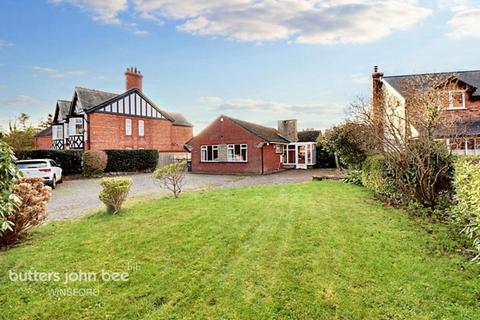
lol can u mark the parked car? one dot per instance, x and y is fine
(47, 169)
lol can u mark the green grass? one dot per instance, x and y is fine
(319, 250)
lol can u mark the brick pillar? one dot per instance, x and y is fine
(133, 79)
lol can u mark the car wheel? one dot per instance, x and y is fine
(53, 184)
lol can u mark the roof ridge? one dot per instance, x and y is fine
(78, 87)
(429, 73)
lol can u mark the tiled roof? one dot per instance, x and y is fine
(466, 128)
(45, 132)
(90, 98)
(63, 108)
(469, 77)
(179, 119)
(308, 135)
(265, 133)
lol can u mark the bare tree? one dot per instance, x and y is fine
(172, 176)
(405, 131)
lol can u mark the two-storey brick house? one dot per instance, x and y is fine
(461, 113)
(98, 120)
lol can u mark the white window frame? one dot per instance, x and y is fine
(231, 152)
(204, 153)
(451, 100)
(75, 123)
(57, 132)
(128, 127)
(141, 128)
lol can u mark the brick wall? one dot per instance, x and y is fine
(107, 131)
(43, 143)
(227, 132)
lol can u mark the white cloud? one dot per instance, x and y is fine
(19, 101)
(465, 20)
(106, 11)
(268, 112)
(57, 74)
(360, 79)
(5, 44)
(300, 21)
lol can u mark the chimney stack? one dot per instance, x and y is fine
(377, 99)
(288, 130)
(133, 78)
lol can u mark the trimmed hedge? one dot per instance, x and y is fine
(375, 176)
(467, 194)
(69, 160)
(131, 160)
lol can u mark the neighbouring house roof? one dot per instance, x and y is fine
(179, 119)
(90, 98)
(465, 128)
(308, 135)
(471, 78)
(45, 132)
(265, 133)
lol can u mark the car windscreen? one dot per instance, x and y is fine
(31, 164)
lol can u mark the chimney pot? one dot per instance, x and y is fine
(375, 69)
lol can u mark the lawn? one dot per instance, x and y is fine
(317, 250)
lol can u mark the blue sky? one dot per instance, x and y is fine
(258, 60)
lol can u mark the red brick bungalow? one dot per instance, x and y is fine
(99, 120)
(43, 139)
(232, 146)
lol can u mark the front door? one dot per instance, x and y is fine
(300, 157)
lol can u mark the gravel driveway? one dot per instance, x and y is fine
(78, 197)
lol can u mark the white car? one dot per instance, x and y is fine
(47, 169)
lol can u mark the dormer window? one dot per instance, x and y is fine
(456, 100)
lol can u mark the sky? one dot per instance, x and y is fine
(257, 60)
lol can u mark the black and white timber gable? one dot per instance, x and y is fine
(132, 103)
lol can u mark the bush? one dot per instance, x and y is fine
(114, 193)
(69, 160)
(31, 211)
(375, 177)
(325, 157)
(171, 176)
(131, 160)
(353, 177)
(8, 174)
(349, 142)
(467, 194)
(94, 162)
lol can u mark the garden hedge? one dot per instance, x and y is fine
(467, 194)
(131, 160)
(69, 160)
(375, 176)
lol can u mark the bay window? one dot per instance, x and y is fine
(76, 126)
(57, 132)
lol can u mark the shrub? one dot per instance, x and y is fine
(171, 176)
(114, 192)
(94, 162)
(375, 176)
(325, 157)
(467, 194)
(349, 142)
(131, 160)
(31, 211)
(353, 177)
(69, 160)
(8, 174)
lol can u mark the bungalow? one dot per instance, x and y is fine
(99, 120)
(461, 110)
(233, 146)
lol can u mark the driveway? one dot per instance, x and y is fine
(75, 198)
